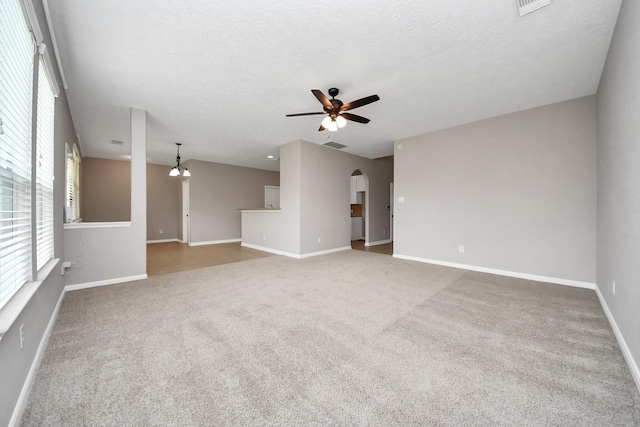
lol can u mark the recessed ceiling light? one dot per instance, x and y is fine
(269, 157)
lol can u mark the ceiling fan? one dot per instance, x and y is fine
(336, 110)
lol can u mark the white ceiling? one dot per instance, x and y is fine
(219, 76)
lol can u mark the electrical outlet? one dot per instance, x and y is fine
(161, 231)
(264, 237)
(461, 249)
(613, 287)
(384, 232)
(319, 239)
(22, 337)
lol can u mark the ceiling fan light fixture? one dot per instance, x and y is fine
(337, 111)
(330, 124)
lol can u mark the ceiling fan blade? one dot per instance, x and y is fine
(323, 99)
(322, 128)
(360, 102)
(304, 114)
(355, 118)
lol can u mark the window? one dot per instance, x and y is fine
(19, 178)
(72, 197)
(16, 81)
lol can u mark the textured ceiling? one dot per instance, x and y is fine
(219, 76)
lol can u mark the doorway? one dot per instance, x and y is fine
(186, 225)
(391, 211)
(358, 196)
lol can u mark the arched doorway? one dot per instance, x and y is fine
(358, 199)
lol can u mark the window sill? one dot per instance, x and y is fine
(12, 310)
(84, 225)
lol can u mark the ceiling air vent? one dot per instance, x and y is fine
(528, 6)
(335, 145)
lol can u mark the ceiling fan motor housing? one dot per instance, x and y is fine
(333, 112)
(336, 106)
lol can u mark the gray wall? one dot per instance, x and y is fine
(619, 178)
(279, 230)
(105, 194)
(518, 191)
(114, 254)
(163, 203)
(325, 203)
(15, 363)
(315, 202)
(217, 191)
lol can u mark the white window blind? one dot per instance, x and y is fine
(44, 167)
(16, 70)
(72, 170)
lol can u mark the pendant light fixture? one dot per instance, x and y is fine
(178, 168)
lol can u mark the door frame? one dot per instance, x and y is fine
(391, 211)
(186, 222)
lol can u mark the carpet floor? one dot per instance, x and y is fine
(351, 338)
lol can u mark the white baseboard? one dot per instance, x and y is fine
(162, 241)
(104, 282)
(21, 404)
(633, 366)
(265, 249)
(292, 255)
(378, 242)
(325, 252)
(214, 242)
(555, 280)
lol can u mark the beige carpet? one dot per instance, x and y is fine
(352, 338)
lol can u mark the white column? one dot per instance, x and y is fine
(139, 187)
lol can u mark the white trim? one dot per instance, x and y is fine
(270, 250)
(214, 242)
(181, 241)
(378, 242)
(325, 252)
(163, 241)
(292, 255)
(14, 307)
(83, 225)
(261, 210)
(32, 19)
(633, 366)
(557, 281)
(21, 404)
(104, 282)
(47, 14)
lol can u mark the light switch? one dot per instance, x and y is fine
(400, 199)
